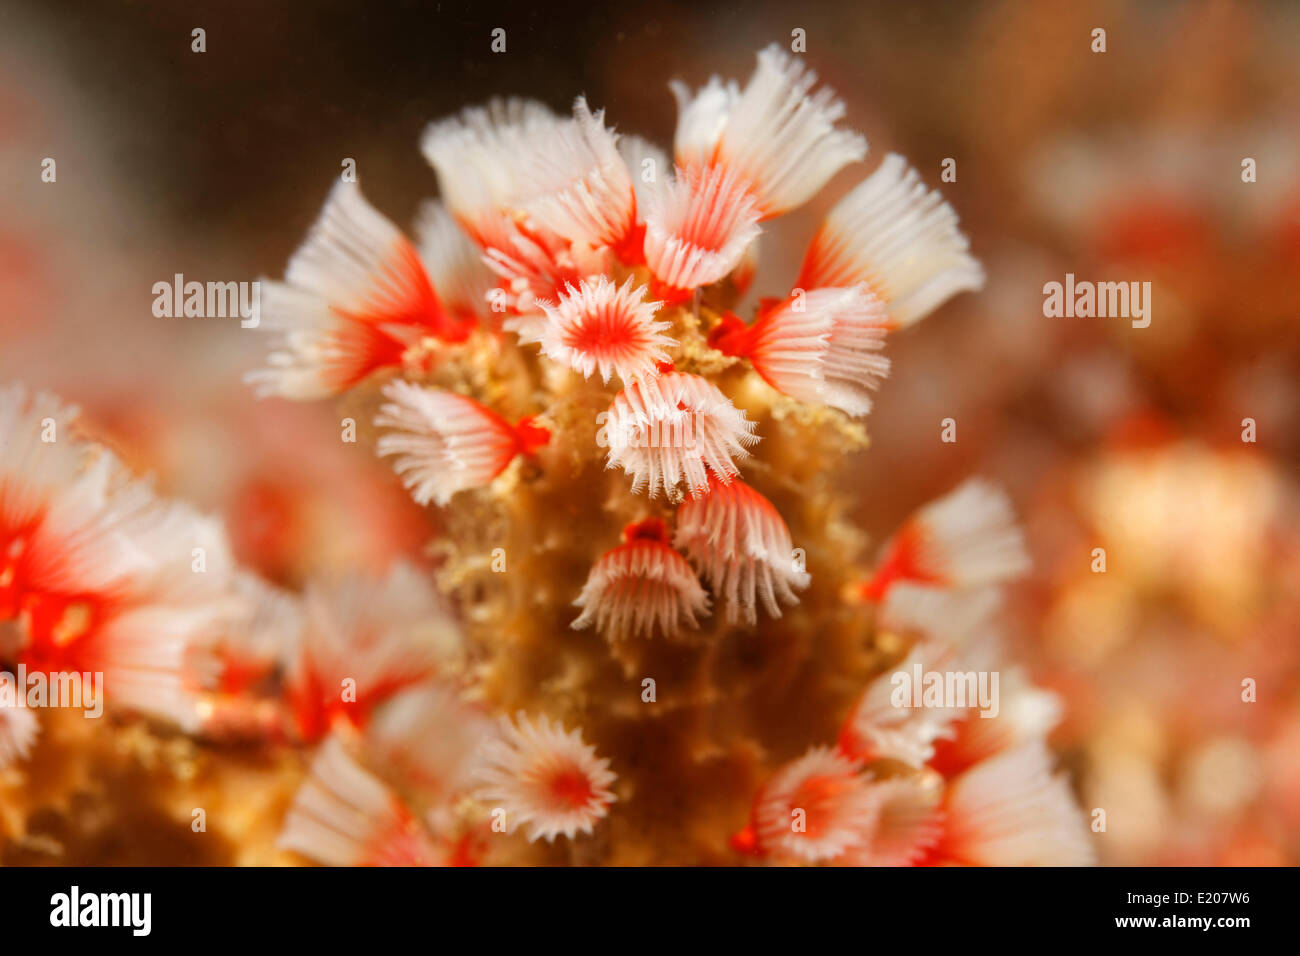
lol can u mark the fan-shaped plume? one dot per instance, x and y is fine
(821, 347)
(908, 825)
(364, 268)
(642, 587)
(885, 723)
(958, 617)
(545, 778)
(1025, 713)
(454, 263)
(426, 739)
(778, 135)
(1011, 810)
(816, 808)
(321, 353)
(648, 165)
(493, 160)
(446, 443)
(481, 157)
(701, 118)
(98, 573)
(697, 228)
(365, 641)
(32, 466)
(343, 815)
(37, 475)
(672, 431)
(899, 238)
(739, 541)
(532, 190)
(149, 655)
(605, 328)
(580, 186)
(85, 541)
(968, 538)
(355, 295)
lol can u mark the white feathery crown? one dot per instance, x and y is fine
(898, 237)
(343, 815)
(957, 617)
(427, 738)
(32, 468)
(602, 327)
(908, 825)
(739, 541)
(580, 186)
(384, 633)
(114, 560)
(443, 443)
(815, 808)
(1012, 810)
(545, 778)
(701, 118)
(697, 227)
(480, 156)
(823, 347)
(640, 588)
(454, 263)
(671, 431)
(968, 538)
(781, 137)
(877, 727)
(1025, 713)
(355, 295)
(359, 262)
(648, 164)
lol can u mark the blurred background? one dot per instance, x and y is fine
(1122, 166)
